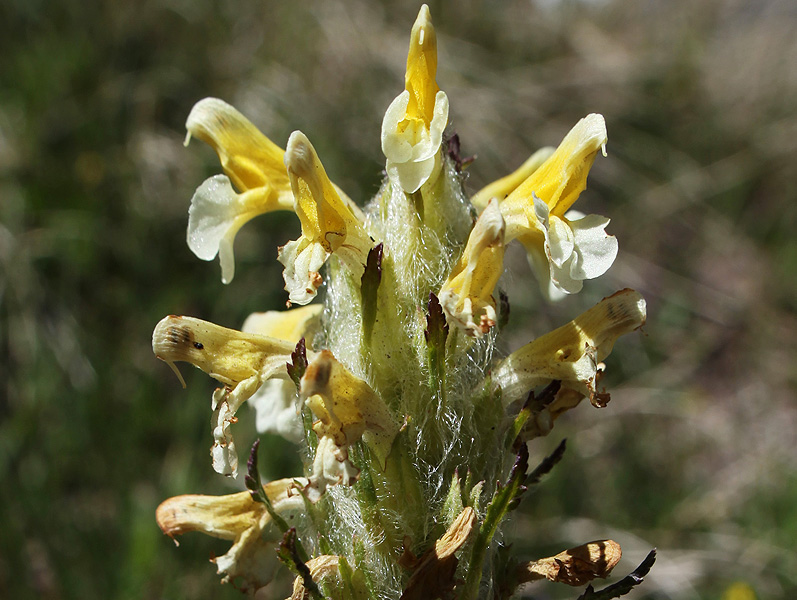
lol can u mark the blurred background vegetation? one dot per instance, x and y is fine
(696, 452)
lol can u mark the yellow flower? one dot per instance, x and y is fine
(255, 166)
(328, 224)
(251, 561)
(241, 361)
(564, 248)
(347, 408)
(412, 129)
(572, 353)
(468, 290)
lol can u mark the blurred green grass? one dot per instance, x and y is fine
(695, 454)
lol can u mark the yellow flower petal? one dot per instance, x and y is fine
(412, 129)
(559, 180)
(501, 188)
(419, 79)
(241, 361)
(289, 325)
(467, 293)
(251, 561)
(247, 156)
(227, 355)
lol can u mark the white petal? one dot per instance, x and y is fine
(395, 146)
(303, 261)
(559, 242)
(412, 150)
(541, 210)
(596, 249)
(411, 175)
(225, 458)
(275, 408)
(439, 122)
(332, 466)
(213, 210)
(563, 280)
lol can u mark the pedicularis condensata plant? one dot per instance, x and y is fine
(413, 433)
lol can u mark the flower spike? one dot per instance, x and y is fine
(468, 290)
(328, 225)
(564, 248)
(251, 162)
(412, 129)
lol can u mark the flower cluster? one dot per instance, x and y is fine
(414, 435)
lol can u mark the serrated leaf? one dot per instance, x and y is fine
(548, 463)
(255, 487)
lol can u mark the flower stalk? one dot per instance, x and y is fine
(413, 431)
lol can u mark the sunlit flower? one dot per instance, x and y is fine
(241, 361)
(251, 561)
(412, 129)
(328, 224)
(252, 162)
(564, 248)
(467, 293)
(347, 408)
(572, 353)
(575, 566)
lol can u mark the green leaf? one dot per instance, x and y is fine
(436, 334)
(506, 498)
(500, 504)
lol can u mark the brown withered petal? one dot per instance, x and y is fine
(434, 576)
(320, 567)
(575, 566)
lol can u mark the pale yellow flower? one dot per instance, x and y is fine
(241, 361)
(572, 353)
(412, 129)
(467, 293)
(328, 224)
(347, 408)
(564, 248)
(254, 165)
(251, 561)
(501, 188)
